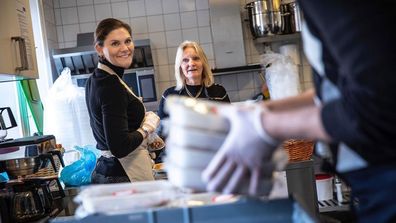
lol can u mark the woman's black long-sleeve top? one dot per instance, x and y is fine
(214, 92)
(114, 113)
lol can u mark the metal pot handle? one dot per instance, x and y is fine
(47, 156)
(59, 155)
(10, 115)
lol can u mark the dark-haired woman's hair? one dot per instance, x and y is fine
(106, 26)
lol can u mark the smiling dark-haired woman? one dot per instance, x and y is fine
(118, 118)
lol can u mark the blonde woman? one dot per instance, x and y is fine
(193, 77)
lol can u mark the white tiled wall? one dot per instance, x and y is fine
(51, 29)
(166, 23)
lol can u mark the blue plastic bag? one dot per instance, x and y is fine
(79, 172)
(4, 177)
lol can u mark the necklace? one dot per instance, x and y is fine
(197, 95)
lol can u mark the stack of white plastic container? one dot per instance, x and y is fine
(195, 135)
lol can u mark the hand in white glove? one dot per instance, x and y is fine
(243, 163)
(150, 122)
(155, 142)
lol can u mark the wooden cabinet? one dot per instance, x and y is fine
(17, 48)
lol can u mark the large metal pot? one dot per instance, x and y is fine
(264, 17)
(29, 165)
(291, 18)
(21, 166)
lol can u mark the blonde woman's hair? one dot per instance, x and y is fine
(207, 75)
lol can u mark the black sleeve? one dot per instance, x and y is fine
(216, 92)
(114, 104)
(365, 116)
(161, 109)
(226, 98)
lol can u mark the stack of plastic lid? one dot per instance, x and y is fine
(196, 132)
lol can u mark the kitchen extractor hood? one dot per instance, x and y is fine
(227, 34)
(83, 59)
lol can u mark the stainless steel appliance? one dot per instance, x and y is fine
(83, 59)
(33, 190)
(31, 199)
(35, 144)
(142, 82)
(225, 22)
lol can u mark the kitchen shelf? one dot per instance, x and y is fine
(279, 38)
(333, 205)
(240, 69)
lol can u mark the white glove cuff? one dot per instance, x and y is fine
(258, 126)
(144, 132)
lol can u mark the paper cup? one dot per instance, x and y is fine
(324, 186)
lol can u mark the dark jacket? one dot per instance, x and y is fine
(359, 62)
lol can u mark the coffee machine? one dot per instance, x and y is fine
(33, 191)
(32, 163)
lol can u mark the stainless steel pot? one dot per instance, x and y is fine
(295, 16)
(21, 166)
(264, 17)
(291, 18)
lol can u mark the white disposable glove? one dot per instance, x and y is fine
(150, 122)
(243, 163)
(155, 142)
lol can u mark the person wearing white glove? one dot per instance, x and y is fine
(243, 164)
(354, 116)
(117, 116)
(150, 123)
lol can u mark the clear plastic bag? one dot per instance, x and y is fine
(66, 114)
(281, 75)
(79, 172)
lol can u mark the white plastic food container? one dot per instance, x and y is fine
(188, 112)
(185, 157)
(125, 197)
(188, 178)
(195, 138)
